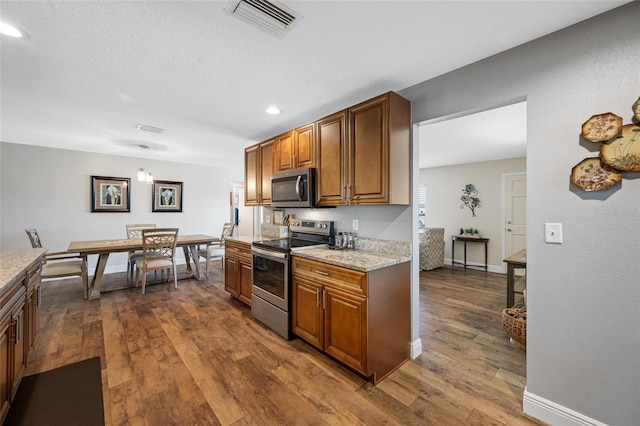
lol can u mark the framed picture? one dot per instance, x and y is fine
(110, 194)
(167, 196)
(278, 217)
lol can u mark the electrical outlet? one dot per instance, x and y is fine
(354, 224)
(553, 233)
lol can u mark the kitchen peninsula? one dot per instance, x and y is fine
(19, 317)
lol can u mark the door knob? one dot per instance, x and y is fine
(508, 222)
(508, 229)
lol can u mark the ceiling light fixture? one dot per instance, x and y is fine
(10, 30)
(272, 110)
(145, 176)
(146, 128)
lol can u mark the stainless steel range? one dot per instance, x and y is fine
(270, 283)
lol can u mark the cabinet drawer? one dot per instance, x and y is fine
(33, 276)
(239, 250)
(335, 276)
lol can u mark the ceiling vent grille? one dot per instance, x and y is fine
(269, 16)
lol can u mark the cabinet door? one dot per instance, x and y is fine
(306, 315)
(304, 147)
(5, 383)
(231, 274)
(251, 176)
(345, 328)
(18, 356)
(244, 281)
(266, 170)
(33, 323)
(369, 152)
(332, 160)
(284, 152)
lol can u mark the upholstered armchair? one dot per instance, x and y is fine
(431, 248)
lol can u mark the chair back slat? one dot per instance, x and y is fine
(227, 230)
(159, 242)
(134, 230)
(34, 238)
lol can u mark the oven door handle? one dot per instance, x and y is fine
(269, 254)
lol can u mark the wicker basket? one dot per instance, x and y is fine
(514, 322)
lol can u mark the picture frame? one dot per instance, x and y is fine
(166, 197)
(110, 194)
(278, 217)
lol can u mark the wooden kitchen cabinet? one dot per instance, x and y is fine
(333, 152)
(33, 307)
(295, 149)
(368, 146)
(258, 168)
(19, 320)
(361, 319)
(237, 270)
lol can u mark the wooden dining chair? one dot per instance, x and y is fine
(158, 253)
(134, 230)
(216, 250)
(61, 264)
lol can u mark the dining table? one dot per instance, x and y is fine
(103, 248)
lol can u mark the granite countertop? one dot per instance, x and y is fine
(359, 260)
(15, 262)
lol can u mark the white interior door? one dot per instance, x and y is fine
(515, 213)
(241, 215)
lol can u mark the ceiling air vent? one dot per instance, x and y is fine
(270, 16)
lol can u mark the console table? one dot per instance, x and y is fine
(466, 240)
(516, 260)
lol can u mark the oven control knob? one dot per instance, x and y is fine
(318, 225)
(324, 225)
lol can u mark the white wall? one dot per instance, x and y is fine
(49, 189)
(444, 189)
(583, 343)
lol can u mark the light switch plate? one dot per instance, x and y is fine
(355, 224)
(553, 233)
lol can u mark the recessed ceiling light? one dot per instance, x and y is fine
(146, 128)
(9, 30)
(273, 110)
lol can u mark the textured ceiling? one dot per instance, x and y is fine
(90, 71)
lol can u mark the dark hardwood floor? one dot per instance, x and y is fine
(195, 356)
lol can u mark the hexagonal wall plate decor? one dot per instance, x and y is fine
(602, 127)
(623, 153)
(591, 174)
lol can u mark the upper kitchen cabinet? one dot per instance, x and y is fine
(367, 149)
(295, 149)
(331, 179)
(258, 168)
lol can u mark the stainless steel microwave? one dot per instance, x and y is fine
(293, 188)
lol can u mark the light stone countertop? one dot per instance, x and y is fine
(359, 260)
(15, 262)
(247, 239)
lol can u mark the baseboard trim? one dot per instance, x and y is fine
(553, 413)
(415, 348)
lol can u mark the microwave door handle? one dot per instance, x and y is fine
(298, 187)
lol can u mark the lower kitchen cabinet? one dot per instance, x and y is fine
(237, 270)
(361, 319)
(19, 319)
